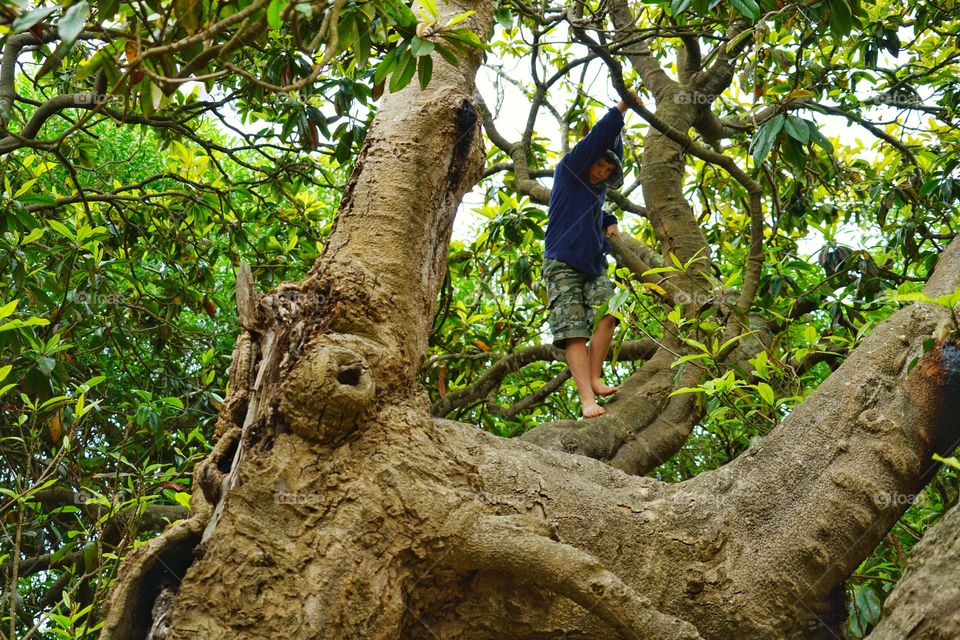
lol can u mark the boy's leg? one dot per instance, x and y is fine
(570, 325)
(597, 291)
(579, 363)
(599, 345)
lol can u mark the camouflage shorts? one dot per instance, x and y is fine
(573, 297)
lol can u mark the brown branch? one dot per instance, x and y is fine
(47, 110)
(869, 126)
(521, 169)
(665, 435)
(531, 400)
(713, 81)
(654, 78)
(522, 547)
(494, 375)
(691, 60)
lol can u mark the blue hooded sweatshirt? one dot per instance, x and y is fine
(576, 220)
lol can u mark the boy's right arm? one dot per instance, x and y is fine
(601, 137)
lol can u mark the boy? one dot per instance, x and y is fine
(574, 268)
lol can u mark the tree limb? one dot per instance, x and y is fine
(521, 546)
(494, 375)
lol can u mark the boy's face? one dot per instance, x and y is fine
(600, 171)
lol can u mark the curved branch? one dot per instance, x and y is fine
(493, 376)
(665, 435)
(636, 405)
(531, 400)
(47, 110)
(524, 183)
(869, 126)
(521, 546)
(691, 60)
(654, 78)
(717, 78)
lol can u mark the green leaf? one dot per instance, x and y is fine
(420, 47)
(747, 8)
(448, 54)
(274, 9)
(766, 393)
(107, 9)
(5, 371)
(696, 344)
(504, 17)
(655, 270)
(31, 18)
(400, 79)
(71, 24)
(386, 66)
(687, 390)
(765, 138)
(19, 324)
(46, 365)
(819, 139)
(8, 309)
(62, 229)
(678, 6)
(950, 462)
(431, 7)
(689, 358)
(466, 36)
(424, 71)
(797, 129)
(460, 17)
(915, 296)
(841, 19)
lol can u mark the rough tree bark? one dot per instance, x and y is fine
(335, 506)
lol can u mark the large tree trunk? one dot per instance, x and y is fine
(335, 506)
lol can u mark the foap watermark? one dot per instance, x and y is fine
(885, 499)
(292, 298)
(692, 97)
(99, 299)
(296, 497)
(701, 299)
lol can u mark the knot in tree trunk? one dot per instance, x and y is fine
(328, 391)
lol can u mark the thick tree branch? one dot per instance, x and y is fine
(654, 78)
(923, 605)
(714, 81)
(862, 439)
(523, 547)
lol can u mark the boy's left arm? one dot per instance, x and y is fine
(610, 227)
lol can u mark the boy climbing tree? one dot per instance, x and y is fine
(574, 266)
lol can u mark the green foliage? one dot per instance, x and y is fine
(119, 243)
(116, 330)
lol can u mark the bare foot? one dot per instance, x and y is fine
(602, 389)
(593, 410)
